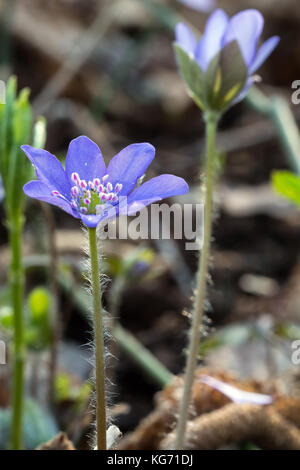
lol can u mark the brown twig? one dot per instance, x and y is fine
(234, 423)
(214, 421)
(59, 442)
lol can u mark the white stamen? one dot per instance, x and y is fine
(118, 187)
(83, 191)
(74, 191)
(75, 178)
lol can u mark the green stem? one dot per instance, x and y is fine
(211, 127)
(99, 342)
(17, 289)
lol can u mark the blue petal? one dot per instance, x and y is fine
(48, 169)
(185, 38)
(129, 165)
(211, 42)
(265, 50)
(245, 27)
(39, 190)
(84, 157)
(154, 190)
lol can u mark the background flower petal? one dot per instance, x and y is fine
(156, 189)
(129, 165)
(245, 27)
(1, 190)
(235, 394)
(85, 158)
(211, 42)
(265, 50)
(48, 169)
(39, 190)
(185, 38)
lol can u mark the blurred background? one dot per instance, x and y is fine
(106, 69)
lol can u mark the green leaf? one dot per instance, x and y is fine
(288, 185)
(6, 113)
(18, 165)
(192, 75)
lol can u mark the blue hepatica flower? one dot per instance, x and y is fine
(89, 191)
(244, 28)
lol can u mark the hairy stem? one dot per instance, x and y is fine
(195, 331)
(17, 288)
(99, 342)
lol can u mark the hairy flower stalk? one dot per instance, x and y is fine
(99, 343)
(195, 332)
(218, 70)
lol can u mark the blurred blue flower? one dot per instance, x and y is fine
(88, 190)
(200, 5)
(245, 27)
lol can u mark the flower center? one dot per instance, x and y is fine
(89, 197)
